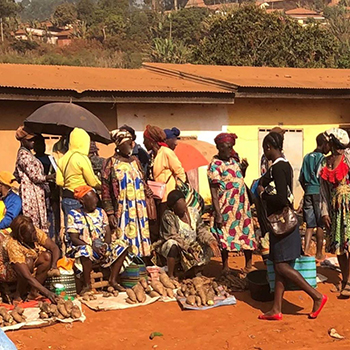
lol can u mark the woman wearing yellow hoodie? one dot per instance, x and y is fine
(75, 170)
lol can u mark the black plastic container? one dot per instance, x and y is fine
(259, 286)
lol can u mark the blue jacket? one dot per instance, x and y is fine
(13, 204)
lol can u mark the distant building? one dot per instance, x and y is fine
(302, 15)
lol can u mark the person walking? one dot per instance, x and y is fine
(232, 223)
(276, 191)
(310, 182)
(335, 203)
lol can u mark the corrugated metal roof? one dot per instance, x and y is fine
(82, 79)
(301, 11)
(262, 77)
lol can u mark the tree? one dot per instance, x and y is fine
(65, 13)
(249, 36)
(167, 51)
(8, 8)
(86, 11)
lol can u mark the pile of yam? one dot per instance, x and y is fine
(10, 318)
(64, 309)
(162, 288)
(200, 291)
(234, 283)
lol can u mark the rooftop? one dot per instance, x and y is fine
(301, 11)
(260, 77)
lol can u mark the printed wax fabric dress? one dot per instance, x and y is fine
(91, 227)
(237, 230)
(335, 202)
(123, 195)
(29, 173)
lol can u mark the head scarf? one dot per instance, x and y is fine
(173, 197)
(23, 133)
(225, 137)
(120, 136)
(173, 133)
(278, 130)
(340, 137)
(81, 191)
(130, 129)
(7, 179)
(155, 134)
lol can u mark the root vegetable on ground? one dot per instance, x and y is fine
(191, 300)
(143, 283)
(158, 287)
(131, 295)
(75, 312)
(170, 293)
(166, 281)
(154, 294)
(140, 293)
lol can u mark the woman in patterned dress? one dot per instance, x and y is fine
(185, 237)
(124, 197)
(29, 173)
(335, 203)
(90, 240)
(232, 223)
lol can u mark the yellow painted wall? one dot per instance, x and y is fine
(246, 116)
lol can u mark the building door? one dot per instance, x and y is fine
(293, 150)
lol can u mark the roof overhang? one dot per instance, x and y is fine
(177, 97)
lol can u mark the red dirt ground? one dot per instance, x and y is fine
(229, 327)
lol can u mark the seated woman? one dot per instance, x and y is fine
(185, 237)
(11, 204)
(89, 239)
(27, 256)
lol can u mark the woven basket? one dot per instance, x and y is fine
(68, 281)
(133, 273)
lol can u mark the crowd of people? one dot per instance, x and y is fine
(131, 205)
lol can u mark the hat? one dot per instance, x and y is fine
(130, 129)
(120, 136)
(7, 179)
(81, 191)
(173, 133)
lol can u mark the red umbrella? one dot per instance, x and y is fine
(194, 154)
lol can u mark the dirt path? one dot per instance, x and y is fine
(229, 327)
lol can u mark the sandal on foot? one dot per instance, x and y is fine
(276, 317)
(346, 291)
(314, 315)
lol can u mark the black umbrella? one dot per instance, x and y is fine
(62, 118)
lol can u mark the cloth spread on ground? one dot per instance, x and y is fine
(218, 301)
(33, 320)
(114, 303)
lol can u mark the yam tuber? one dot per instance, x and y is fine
(143, 283)
(158, 287)
(69, 306)
(191, 300)
(129, 301)
(210, 298)
(198, 301)
(140, 293)
(201, 294)
(5, 315)
(131, 295)
(154, 294)
(166, 281)
(43, 315)
(16, 316)
(110, 289)
(62, 309)
(170, 293)
(115, 293)
(75, 312)
(179, 293)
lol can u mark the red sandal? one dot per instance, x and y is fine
(276, 317)
(314, 315)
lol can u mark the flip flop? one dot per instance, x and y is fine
(346, 291)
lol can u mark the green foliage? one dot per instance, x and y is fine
(250, 36)
(65, 13)
(8, 8)
(167, 51)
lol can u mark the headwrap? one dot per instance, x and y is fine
(93, 147)
(130, 129)
(7, 179)
(225, 137)
(81, 191)
(278, 130)
(173, 197)
(155, 134)
(339, 136)
(23, 133)
(173, 133)
(120, 136)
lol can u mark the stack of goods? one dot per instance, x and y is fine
(10, 318)
(64, 309)
(233, 283)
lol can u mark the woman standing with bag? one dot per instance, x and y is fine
(275, 190)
